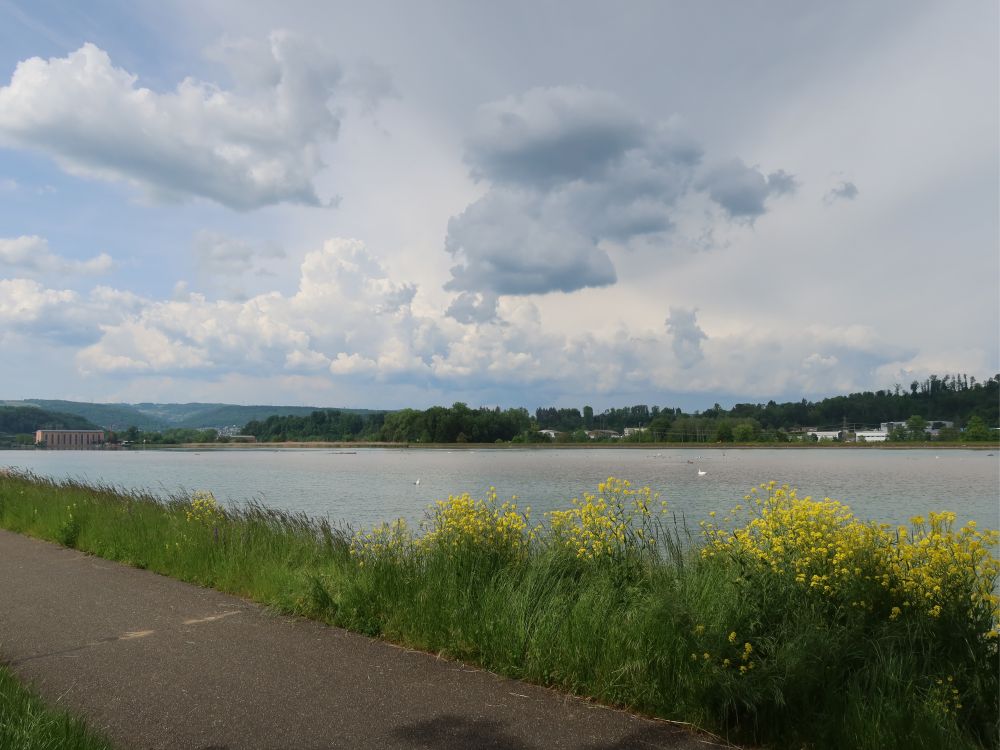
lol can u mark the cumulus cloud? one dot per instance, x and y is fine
(349, 322)
(686, 336)
(25, 300)
(217, 253)
(742, 191)
(348, 364)
(573, 176)
(345, 305)
(254, 145)
(844, 191)
(31, 254)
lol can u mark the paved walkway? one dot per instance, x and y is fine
(157, 663)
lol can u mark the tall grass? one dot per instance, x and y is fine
(26, 723)
(610, 598)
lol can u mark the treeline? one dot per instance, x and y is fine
(957, 399)
(972, 406)
(174, 436)
(323, 424)
(439, 424)
(458, 424)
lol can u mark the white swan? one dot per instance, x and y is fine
(702, 473)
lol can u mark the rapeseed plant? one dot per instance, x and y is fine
(620, 519)
(895, 572)
(205, 509)
(464, 522)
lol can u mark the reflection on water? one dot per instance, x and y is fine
(370, 485)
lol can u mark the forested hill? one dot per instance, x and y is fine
(157, 417)
(23, 420)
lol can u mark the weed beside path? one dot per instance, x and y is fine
(26, 723)
(769, 635)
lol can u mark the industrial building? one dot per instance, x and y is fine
(70, 439)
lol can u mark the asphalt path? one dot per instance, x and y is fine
(156, 663)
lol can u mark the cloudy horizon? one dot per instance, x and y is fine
(530, 204)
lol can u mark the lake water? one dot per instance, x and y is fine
(370, 485)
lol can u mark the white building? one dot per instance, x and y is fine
(595, 434)
(934, 426)
(825, 434)
(871, 436)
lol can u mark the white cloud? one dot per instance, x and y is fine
(134, 346)
(31, 254)
(346, 364)
(344, 304)
(254, 145)
(349, 323)
(26, 301)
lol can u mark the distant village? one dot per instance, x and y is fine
(846, 434)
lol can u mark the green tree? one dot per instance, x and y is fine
(977, 430)
(916, 426)
(743, 432)
(949, 434)
(723, 431)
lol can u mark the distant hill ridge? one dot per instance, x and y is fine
(21, 420)
(156, 417)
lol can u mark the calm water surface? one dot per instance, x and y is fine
(371, 484)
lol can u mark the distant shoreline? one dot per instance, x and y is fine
(574, 446)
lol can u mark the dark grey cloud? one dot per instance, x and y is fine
(573, 174)
(741, 190)
(550, 135)
(686, 336)
(845, 190)
(470, 307)
(506, 245)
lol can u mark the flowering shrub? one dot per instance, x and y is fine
(619, 518)
(926, 571)
(464, 522)
(459, 523)
(204, 509)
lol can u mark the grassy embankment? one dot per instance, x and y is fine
(27, 724)
(790, 624)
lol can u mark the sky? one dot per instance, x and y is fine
(394, 204)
